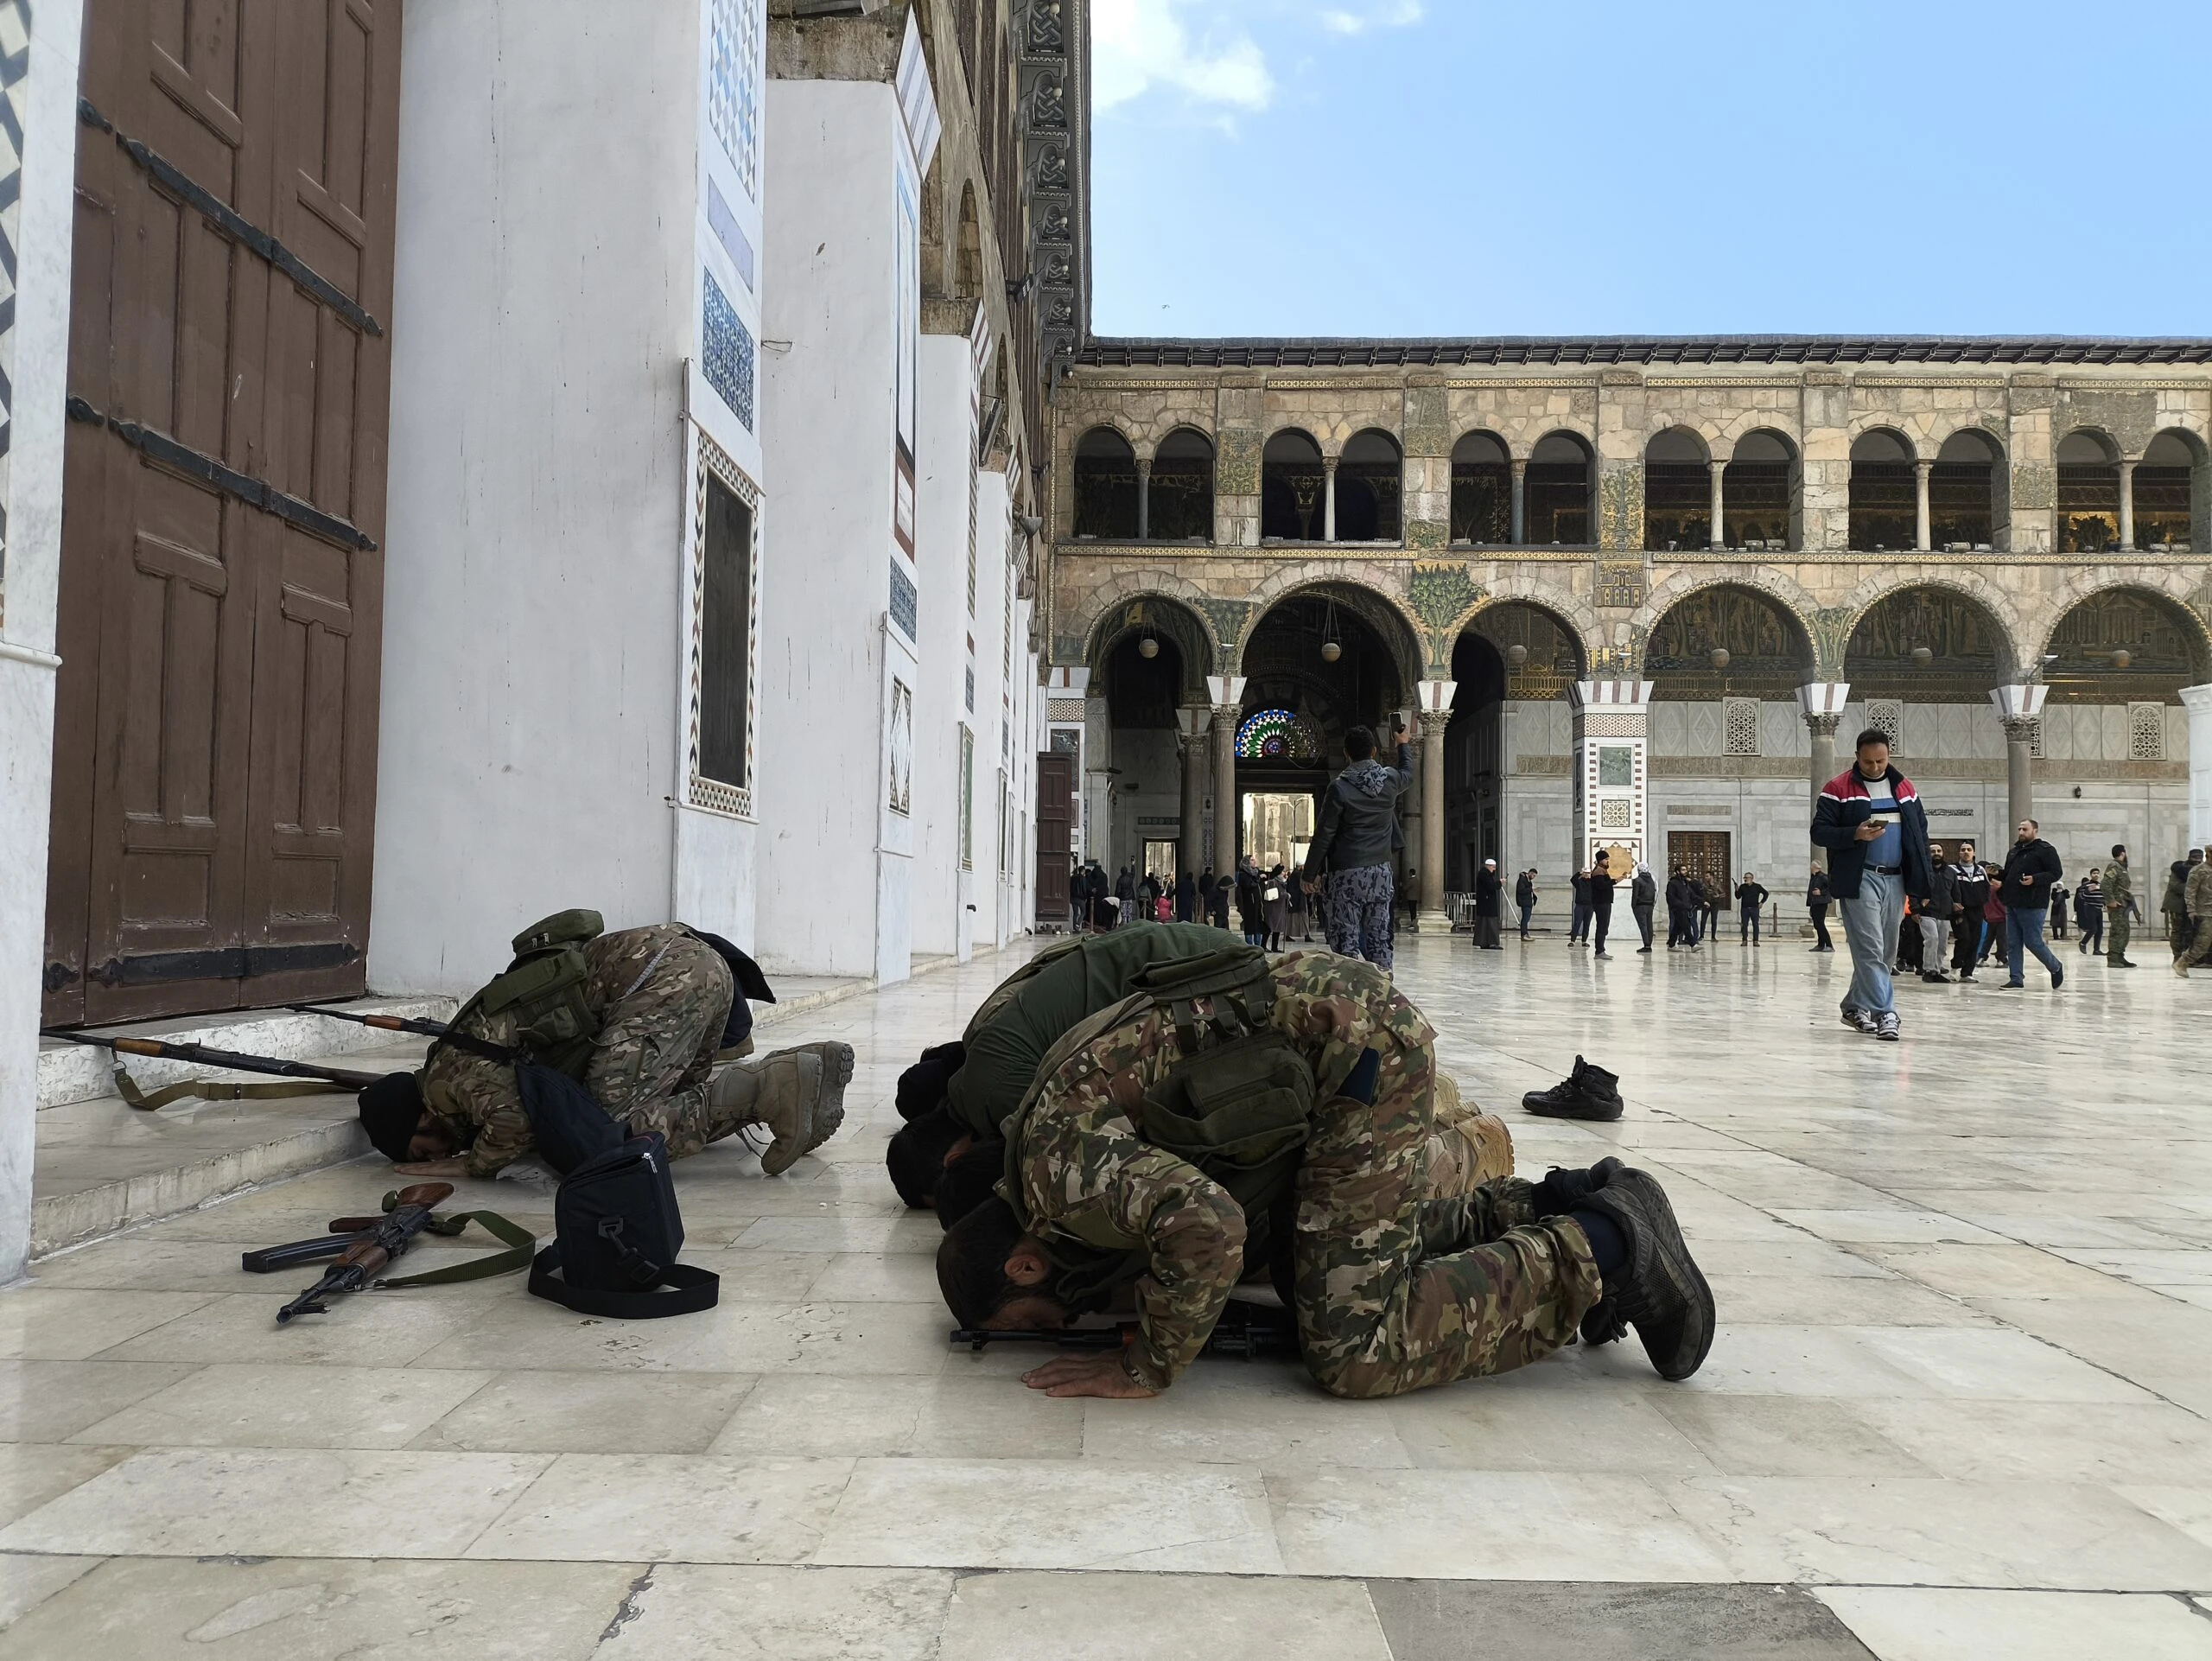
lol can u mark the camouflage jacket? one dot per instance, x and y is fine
(478, 1095)
(2199, 891)
(1088, 1178)
(2120, 887)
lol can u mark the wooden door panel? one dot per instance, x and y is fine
(216, 734)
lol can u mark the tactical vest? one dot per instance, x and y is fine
(542, 992)
(1239, 1106)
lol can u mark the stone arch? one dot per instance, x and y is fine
(1796, 600)
(1145, 610)
(1881, 424)
(1714, 650)
(2170, 588)
(1769, 436)
(1570, 427)
(1843, 621)
(1576, 616)
(1105, 485)
(1482, 488)
(1363, 590)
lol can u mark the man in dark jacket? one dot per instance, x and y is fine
(1817, 903)
(1682, 911)
(1251, 911)
(2174, 905)
(1352, 842)
(1489, 893)
(1871, 821)
(1578, 926)
(2030, 869)
(1601, 902)
(1216, 892)
(1642, 901)
(1524, 898)
(1187, 898)
(1749, 897)
(1713, 900)
(1935, 919)
(1969, 898)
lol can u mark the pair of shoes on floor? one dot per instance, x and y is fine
(1659, 1290)
(1588, 1093)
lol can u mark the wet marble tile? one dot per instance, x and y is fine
(593, 1411)
(1938, 1623)
(713, 1612)
(616, 1507)
(156, 1608)
(1017, 1617)
(50, 1401)
(264, 1406)
(26, 1582)
(42, 1323)
(1053, 1514)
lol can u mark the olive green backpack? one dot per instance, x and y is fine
(1239, 1108)
(542, 992)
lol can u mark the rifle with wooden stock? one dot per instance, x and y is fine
(365, 1247)
(320, 1079)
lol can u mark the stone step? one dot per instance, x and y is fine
(79, 1073)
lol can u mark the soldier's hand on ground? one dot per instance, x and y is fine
(433, 1167)
(1086, 1375)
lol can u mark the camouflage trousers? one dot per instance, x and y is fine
(1359, 914)
(2118, 926)
(1399, 1286)
(2195, 946)
(1467, 1146)
(658, 1045)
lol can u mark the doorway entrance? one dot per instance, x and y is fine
(1161, 858)
(1278, 827)
(1703, 854)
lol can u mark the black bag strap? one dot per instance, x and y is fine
(689, 1291)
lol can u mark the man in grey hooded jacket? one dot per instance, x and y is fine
(1352, 843)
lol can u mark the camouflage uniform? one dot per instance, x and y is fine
(2198, 897)
(1395, 1289)
(1467, 1146)
(663, 998)
(2120, 888)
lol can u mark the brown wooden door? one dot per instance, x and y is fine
(1705, 853)
(1055, 824)
(222, 505)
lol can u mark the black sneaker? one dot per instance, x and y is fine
(1661, 1292)
(1588, 1092)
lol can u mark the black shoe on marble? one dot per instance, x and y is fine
(1588, 1092)
(1660, 1291)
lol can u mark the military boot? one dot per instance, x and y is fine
(778, 1092)
(836, 1073)
(1588, 1092)
(1660, 1290)
(1561, 1192)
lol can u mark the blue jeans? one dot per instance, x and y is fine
(1870, 919)
(2023, 933)
(1526, 913)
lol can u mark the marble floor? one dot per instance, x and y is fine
(1959, 1403)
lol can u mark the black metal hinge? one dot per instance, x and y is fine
(227, 219)
(194, 464)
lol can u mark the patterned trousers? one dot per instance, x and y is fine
(1398, 1287)
(1359, 914)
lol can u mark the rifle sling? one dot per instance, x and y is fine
(521, 1246)
(223, 1090)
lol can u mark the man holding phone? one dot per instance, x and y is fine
(1871, 821)
(1353, 844)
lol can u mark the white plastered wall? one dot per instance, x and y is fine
(543, 311)
(942, 466)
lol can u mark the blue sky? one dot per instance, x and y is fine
(1464, 167)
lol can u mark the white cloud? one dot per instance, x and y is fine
(1137, 45)
(1395, 14)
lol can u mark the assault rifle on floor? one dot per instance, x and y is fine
(331, 1080)
(1246, 1337)
(366, 1246)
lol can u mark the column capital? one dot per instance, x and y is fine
(2023, 700)
(1627, 697)
(1924, 463)
(1329, 463)
(1432, 722)
(2126, 466)
(1194, 719)
(2021, 729)
(1518, 464)
(1822, 725)
(1226, 690)
(1717, 463)
(2197, 699)
(1820, 698)
(1144, 465)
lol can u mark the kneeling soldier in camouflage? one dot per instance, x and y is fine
(638, 1018)
(1164, 1131)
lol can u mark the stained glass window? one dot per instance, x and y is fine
(1278, 736)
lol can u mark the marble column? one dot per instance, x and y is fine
(2019, 707)
(2197, 700)
(1098, 842)
(1144, 499)
(1716, 540)
(1435, 714)
(2128, 508)
(1196, 721)
(1822, 705)
(1227, 694)
(1610, 766)
(1520, 499)
(1328, 499)
(1921, 470)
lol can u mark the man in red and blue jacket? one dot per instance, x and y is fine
(1871, 821)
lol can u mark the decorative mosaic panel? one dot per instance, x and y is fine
(1739, 719)
(701, 791)
(2146, 732)
(1887, 715)
(1621, 584)
(971, 689)
(1613, 813)
(734, 86)
(905, 602)
(726, 346)
(902, 747)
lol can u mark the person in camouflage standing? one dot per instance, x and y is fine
(2198, 896)
(2120, 895)
(661, 997)
(1394, 1290)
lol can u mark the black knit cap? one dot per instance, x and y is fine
(391, 1108)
